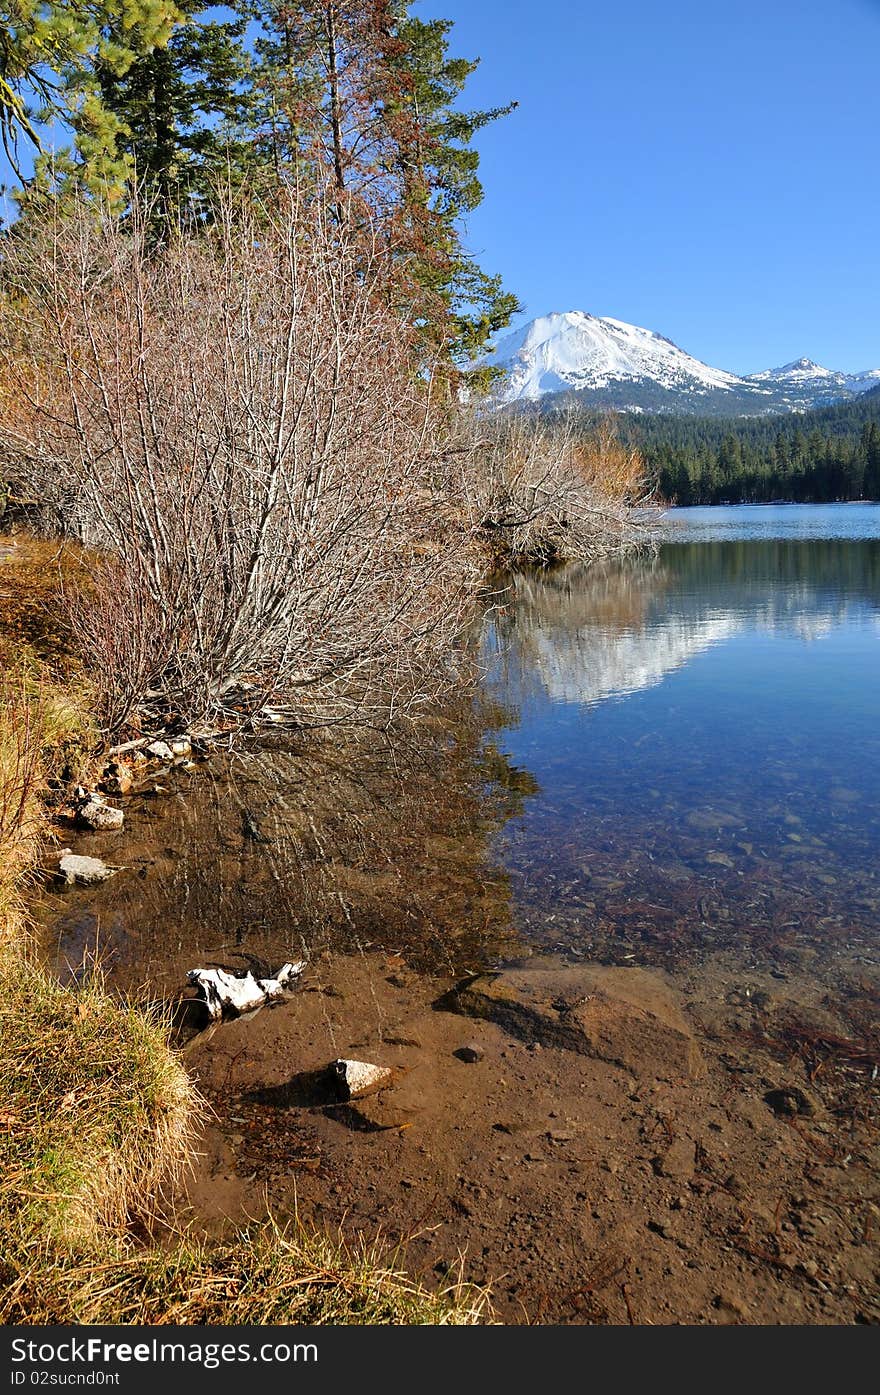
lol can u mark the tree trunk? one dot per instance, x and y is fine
(335, 115)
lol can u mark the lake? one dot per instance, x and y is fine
(671, 767)
(670, 755)
(704, 727)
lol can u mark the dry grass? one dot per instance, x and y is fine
(261, 1276)
(95, 1107)
(44, 720)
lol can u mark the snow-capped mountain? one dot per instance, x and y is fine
(610, 363)
(808, 384)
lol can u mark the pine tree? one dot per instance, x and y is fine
(872, 462)
(176, 105)
(49, 53)
(356, 96)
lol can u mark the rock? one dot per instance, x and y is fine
(789, 1101)
(844, 796)
(470, 1054)
(88, 871)
(730, 1305)
(720, 859)
(354, 1079)
(678, 1161)
(708, 820)
(93, 813)
(160, 750)
(116, 778)
(180, 746)
(251, 829)
(629, 1017)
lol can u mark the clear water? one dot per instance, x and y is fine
(704, 727)
(691, 763)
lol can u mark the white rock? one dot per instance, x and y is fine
(358, 1078)
(88, 871)
(101, 817)
(180, 746)
(160, 750)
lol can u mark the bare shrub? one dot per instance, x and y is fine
(234, 420)
(540, 492)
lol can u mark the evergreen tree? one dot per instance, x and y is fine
(49, 53)
(358, 97)
(832, 453)
(176, 104)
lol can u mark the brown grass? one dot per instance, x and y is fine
(260, 1276)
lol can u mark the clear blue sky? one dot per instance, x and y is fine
(710, 170)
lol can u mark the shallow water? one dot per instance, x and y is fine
(688, 759)
(705, 730)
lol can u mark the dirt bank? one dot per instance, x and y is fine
(694, 1176)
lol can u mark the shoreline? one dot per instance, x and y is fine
(580, 1187)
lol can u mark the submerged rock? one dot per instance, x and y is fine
(720, 859)
(629, 1017)
(93, 812)
(708, 820)
(88, 871)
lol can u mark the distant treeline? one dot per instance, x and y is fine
(813, 457)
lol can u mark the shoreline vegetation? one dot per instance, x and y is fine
(288, 519)
(256, 511)
(97, 1112)
(238, 336)
(96, 1109)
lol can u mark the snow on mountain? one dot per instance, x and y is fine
(863, 382)
(614, 364)
(804, 373)
(803, 370)
(577, 351)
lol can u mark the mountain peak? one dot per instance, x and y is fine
(800, 367)
(573, 350)
(612, 364)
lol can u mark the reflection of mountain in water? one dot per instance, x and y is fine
(583, 636)
(608, 665)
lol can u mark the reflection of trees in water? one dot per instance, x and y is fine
(582, 635)
(824, 574)
(563, 632)
(343, 843)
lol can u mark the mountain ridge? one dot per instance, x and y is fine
(604, 362)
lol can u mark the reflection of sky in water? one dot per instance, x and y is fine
(774, 521)
(736, 675)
